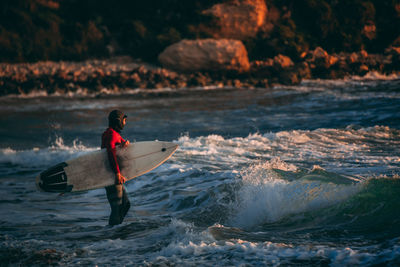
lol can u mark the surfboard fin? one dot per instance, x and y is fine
(54, 179)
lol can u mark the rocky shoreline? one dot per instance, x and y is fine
(223, 43)
(123, 73)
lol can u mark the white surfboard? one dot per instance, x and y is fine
(93, 170)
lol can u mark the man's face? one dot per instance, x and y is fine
(123, 121)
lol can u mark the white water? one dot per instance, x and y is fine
(268, 168)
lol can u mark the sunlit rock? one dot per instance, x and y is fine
(282, 62)
(369, 31)
(319, 58)
(206, 55)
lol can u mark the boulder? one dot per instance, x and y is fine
(353, 58)
(282, 62)
(206, 55)
(288, 78)
(369, 31)
(262, 68)
(396, 42)
(319, 58)
(303, 70)
(394, 54)
(363, 69)
(393, 50)
(271, 66)
(237, 19)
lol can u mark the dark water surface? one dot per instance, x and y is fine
(304, 175)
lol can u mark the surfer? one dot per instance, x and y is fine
(116, 194)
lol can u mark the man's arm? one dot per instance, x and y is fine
(112, 156)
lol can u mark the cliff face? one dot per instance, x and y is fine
(237, 19)
(32, 30)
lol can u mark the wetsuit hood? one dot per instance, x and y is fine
(115, 119)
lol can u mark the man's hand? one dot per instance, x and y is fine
(125, 144)
(119, 179)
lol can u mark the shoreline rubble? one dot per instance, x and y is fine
(120, 73)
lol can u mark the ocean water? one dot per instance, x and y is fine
(305, 175)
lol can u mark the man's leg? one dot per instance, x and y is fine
(125, 205)
(114, 196)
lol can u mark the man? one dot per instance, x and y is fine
(116, 194)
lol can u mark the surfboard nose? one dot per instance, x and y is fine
(169, 147)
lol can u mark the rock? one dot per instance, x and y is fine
(206, 55)
(364, 54)
(319, 58)
(282, 62)
(353, 58)
(236, 83)
(303, 70)
(280, 69)
(262, 68)
(396, 42)
(394, 54)
(369, 31)
(356, 63)
(393, 50)
(288, 78)
(363, 69)
(268, 63)
(198, 79)
(238, 19)
(262, 83)
(135, 77)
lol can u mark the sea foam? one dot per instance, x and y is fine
(265, 197)
(57, 152)
(192, 244)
